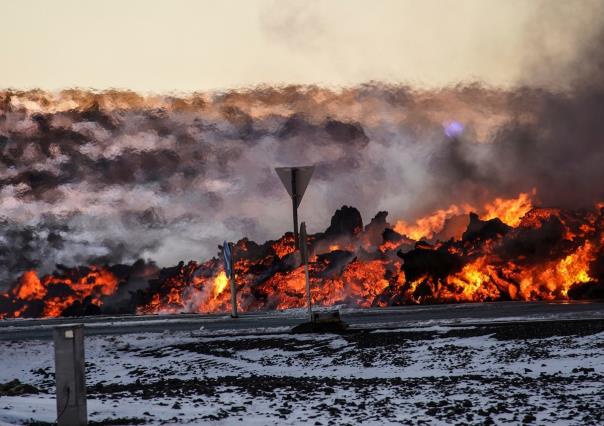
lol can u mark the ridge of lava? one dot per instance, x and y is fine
(538, 254)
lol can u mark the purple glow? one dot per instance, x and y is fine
(453, 128)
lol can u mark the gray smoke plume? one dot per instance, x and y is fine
(89, 177)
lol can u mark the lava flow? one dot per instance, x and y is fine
(511, 251)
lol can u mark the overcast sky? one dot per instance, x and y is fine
(181, 45)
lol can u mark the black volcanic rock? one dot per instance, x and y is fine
(424, 260)
(391, 235)
(346, 221)
(536, 243)
(484, 229)
(59, 290)
(587, 291)
(80, 309)
(596, 267)
(15, 387)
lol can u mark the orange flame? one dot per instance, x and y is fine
(426, 227)
(509, 211)
(29, 287)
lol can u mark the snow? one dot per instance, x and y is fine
(382, 376)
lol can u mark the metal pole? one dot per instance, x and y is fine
(233, 286)
(69, 374)
(304, 253)
(295, 209)
(233, 297)
(308, 290)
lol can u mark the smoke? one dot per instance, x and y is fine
(115, 176)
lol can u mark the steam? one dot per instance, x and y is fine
(89, 177)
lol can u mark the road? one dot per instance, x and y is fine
(403, 316)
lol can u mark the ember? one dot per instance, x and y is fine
(509, 251)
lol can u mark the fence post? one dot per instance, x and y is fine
(69, 375)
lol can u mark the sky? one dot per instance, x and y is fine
(183, 46)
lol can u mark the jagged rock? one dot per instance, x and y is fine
(391, 235)
(426, 261)
(346, 221)
(484, 229)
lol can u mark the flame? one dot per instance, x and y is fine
(29, 287)
(220, 283)
(553, 280)
(426, 227)
(475, 283)
(509, 211)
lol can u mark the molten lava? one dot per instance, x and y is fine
(51, 295)
(510, 250)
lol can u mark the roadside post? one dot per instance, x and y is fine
(69, 375)
(304, 253)
(227, 252)
(295, 180)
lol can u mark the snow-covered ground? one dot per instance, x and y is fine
(543, 372)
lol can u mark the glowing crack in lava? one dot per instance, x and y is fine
(510, 250)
